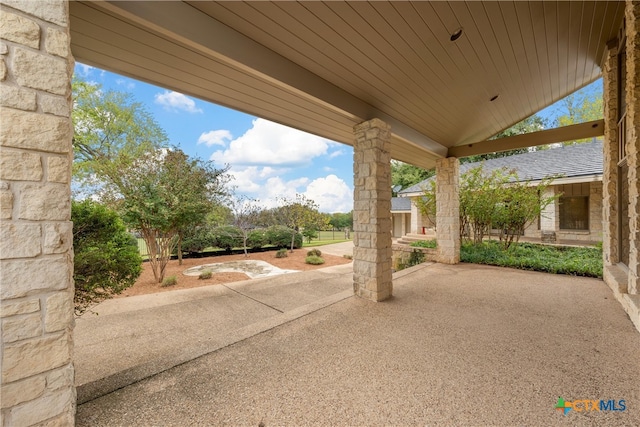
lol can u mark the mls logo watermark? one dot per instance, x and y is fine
(588, 405)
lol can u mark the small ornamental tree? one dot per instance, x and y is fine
(107, 260)
(245, 213)
(300, 213)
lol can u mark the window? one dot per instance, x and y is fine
(574, 206)
(574, 213)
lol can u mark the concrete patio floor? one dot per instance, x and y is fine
(457, 345)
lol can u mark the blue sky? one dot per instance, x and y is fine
(267, 160)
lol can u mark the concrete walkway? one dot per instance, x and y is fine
(457, 345)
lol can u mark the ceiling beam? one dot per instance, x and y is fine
(549, 136)
(201, 32)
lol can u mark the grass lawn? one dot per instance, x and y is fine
(582, 261)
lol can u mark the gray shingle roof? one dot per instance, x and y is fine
(568, 161)
(400, 204)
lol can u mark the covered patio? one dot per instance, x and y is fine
(446, 350)
(419, 82)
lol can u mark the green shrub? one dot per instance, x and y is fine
(280, 237)
(227, 237)
(429, 244)
(257, 238)
(583, 261)
(169, 281)
(347, 256)
(314, 260)
(197, 239)
(107, 259)
(314, 252)
(282, 253)
(205, 274)
(416, 257)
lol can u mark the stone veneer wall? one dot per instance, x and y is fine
(632, 16)
(610, 156)
(36, 255)
(448, 210)
(372, 204)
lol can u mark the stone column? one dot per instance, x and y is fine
(610, 156)
(36, 256)
(632, 16)
(371, 213)
(416, 218)
(448, 210)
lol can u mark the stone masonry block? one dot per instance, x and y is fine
(3, 70)
(4, 49)
(45, 202)
(57, 42)
(58, 169)
(48, 10)
(12, 308)
(57, 237)
(42, 72)
(52, 104)
(19, 240)
(35, 131)
(59, 311)
(26, 358)
(6, 204)
(20, 166)
(61, 377)
(19, 29)
(16, 328)
(22, 278)
(48, 406)
(17, 97)
(22, 391)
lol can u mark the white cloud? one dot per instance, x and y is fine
(127, 84)
(83, 69)
(251, 179)
(174, 101)
(272, 144)
(331, 193)
(336, 153)
(215, 137)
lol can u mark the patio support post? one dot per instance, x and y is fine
(448, 210)
(610, 146)
(371, 213)
(632, 16)
(36, 253)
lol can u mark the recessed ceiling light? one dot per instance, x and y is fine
(494, 97)
(456, 34)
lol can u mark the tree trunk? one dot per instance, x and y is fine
(180, 248)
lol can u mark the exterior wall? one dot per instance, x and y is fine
(622, 281)
(610, 156)
(36, 256)
(549, 219)
(372, 204)
(416, 219)
(632, 15)
(448, 210)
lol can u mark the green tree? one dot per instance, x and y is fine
(531, 124)
(581, 106)
(110, 131)
(341, 221)
(406, 175)
(163, 193)
(300, 213)
(245, 213)
(106, 257)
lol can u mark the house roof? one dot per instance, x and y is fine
(400, 204)
(571, 161)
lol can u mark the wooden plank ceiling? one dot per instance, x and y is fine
(325, 66)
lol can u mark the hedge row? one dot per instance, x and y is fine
(228, 237)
